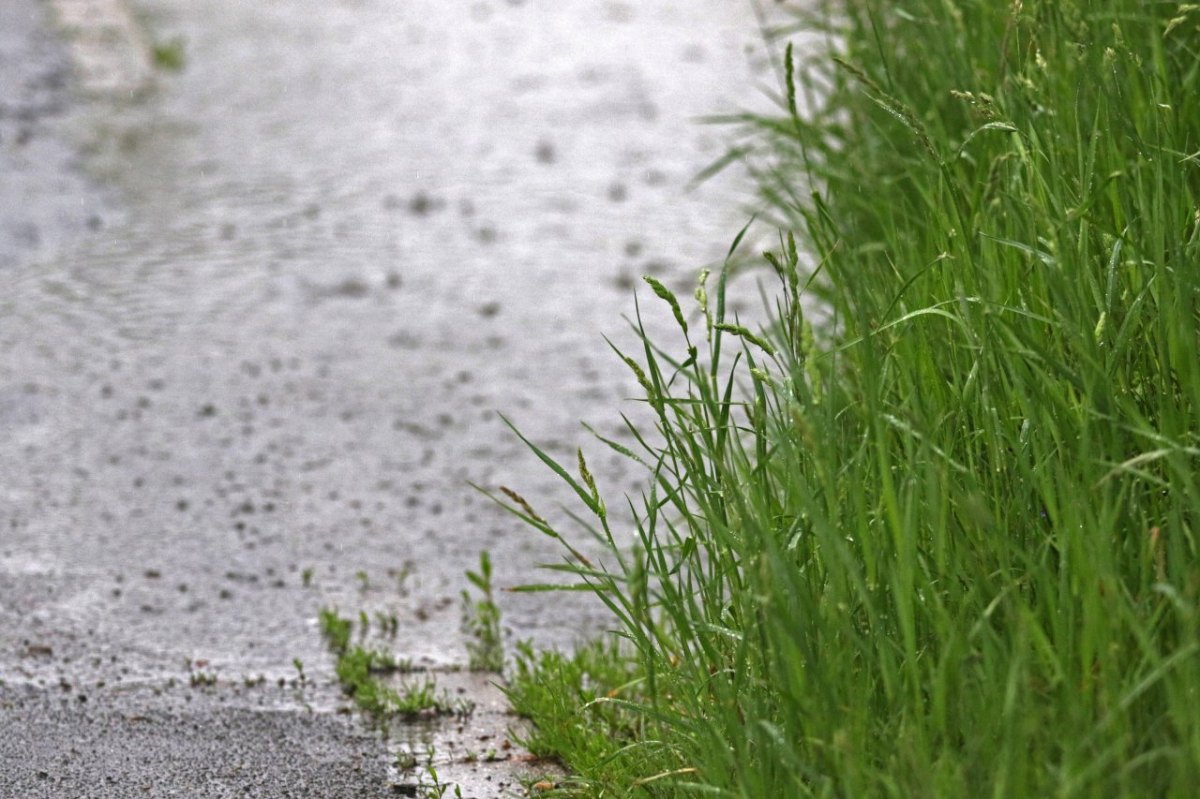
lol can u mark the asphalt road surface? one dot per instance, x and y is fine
(258, 324)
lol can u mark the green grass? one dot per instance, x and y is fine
(169, 55)
(481, 620)
(945, 543)
(360, 671)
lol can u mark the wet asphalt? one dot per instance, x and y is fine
(257, 331)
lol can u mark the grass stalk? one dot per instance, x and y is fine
(944, 543)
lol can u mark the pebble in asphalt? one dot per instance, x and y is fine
(256, 332)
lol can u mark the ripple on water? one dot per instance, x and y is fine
(312, 260)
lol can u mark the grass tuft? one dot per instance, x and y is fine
(943, 542)
(481, 620)
(360, 672)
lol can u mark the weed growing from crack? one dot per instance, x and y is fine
(301, 677)
(481, 621)
(335, 630)
(359, 670)
(202, 679)
(387, 623)
(435, 788)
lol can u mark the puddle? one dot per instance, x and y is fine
(474, 752)
(351, 237)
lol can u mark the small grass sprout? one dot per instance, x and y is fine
(170, 55)
(301, 677)
(481, 620)
(360, 671)
(335, 629)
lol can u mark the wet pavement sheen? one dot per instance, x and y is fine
(350, 235)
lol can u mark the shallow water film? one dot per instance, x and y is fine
(263, 308)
